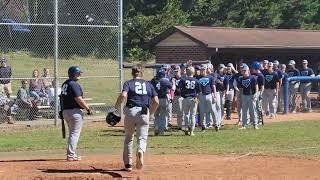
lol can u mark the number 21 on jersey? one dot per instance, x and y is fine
(140, 88)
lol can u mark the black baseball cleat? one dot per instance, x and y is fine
(217, 128)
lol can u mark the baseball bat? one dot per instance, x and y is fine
(63, 127)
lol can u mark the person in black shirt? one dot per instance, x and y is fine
(293, 85)
(248, 88)
(72, 105)
(270, 93)
(305, 86)
(5, 72)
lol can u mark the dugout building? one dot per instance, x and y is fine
(221, 45)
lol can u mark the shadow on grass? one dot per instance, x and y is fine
(112, 173)
(31, 160)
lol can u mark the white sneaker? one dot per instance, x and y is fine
(191, 133)
(243, 128)
(75, 158)
(256, 127)
(139, 160)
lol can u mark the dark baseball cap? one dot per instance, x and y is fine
(183, 65)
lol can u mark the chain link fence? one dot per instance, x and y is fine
(40, 40)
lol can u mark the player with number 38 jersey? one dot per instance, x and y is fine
(190, 89)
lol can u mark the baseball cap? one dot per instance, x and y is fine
(209, 66)
(176, 68)
(166, 66)
(256, 65)
(292, 62)
(183, 65)
(203, 66)
(283, 66)
(305, 61)
(270, 64)
(229, 65)
(161, 73)
(221, 66)
(245, 67)
(276, 62)
(265, 61)
(197, 67)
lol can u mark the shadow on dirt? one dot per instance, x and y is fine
(112, 173)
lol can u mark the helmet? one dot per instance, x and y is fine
(161, 73)
(74, 70)
(256, 65)
(112, 119)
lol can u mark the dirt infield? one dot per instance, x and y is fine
(164, 167)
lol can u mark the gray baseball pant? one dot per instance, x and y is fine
(222, 101)
(280, 100)
(74, 119)
(189, 112)
(134, 120)
(305, 89)
(269, 101)
(178, 102)
(293, 89)
(162, 116)
(206, 108)
(248, 104)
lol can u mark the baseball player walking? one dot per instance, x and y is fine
(190, 89)
(142, 101)
(229, 77)
(72, 105)
(249, 86)
(270, 93)
(305, 86)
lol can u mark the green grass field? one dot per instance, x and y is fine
(284, 138)
(101, 89)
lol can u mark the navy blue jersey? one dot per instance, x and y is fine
(271, 80)
(260, 79)
(190, 87)
(280, 73)
(207, 84)
(229, 79)
(248, 85)
(220, 85)
(306, 72)
(69, 90)
(293, 72)
(177, 91)
(162, 87)
(139, 92)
